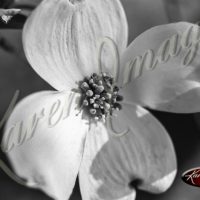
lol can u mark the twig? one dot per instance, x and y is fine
(10, 22)
(7, 14)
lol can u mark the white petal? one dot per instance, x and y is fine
(61, 38)
(144, 156)
(47, 151)
(99, 176)
(173, 84)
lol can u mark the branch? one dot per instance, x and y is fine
(7, 14)
(16, 22)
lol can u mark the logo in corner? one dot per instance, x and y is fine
(192, 177)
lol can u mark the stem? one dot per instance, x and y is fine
(8, 172)
(10, 108)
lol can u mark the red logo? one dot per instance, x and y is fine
(192, 177)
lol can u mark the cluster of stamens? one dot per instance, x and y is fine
(100, 96)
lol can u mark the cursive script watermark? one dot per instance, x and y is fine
(25, 129)
(192, 177)
(186, 43)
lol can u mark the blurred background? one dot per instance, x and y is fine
(16, 74)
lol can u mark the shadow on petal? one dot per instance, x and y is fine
(144, 158)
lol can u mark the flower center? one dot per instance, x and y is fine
(100, 96)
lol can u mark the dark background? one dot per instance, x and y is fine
(15, 74)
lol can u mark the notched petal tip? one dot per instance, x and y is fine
(75, 2)
(152, 156)
(114, 167)
(65, 49)
(134, 184)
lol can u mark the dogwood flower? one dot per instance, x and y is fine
(94, 125)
